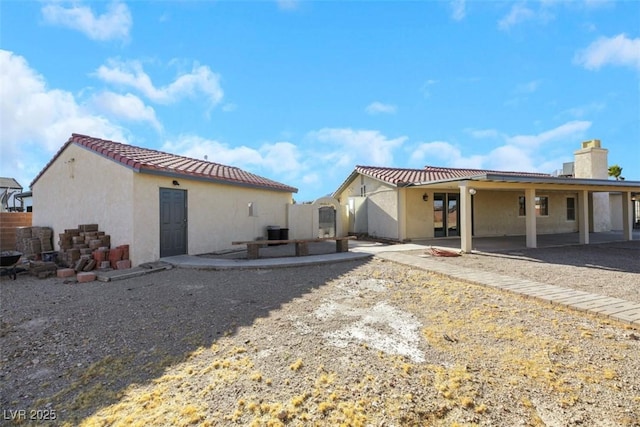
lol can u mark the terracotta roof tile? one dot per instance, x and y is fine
(144, 159)
(400, 176)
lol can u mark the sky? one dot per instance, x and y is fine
(303, 91)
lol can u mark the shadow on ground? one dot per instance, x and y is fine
(77, 347)
(614, 256)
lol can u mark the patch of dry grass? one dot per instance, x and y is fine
(491, 357)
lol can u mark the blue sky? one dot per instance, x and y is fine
(302, 91)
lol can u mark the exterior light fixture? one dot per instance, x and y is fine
(175, 182)
(425, 197)
(472, 191)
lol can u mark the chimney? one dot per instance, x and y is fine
(591, 161)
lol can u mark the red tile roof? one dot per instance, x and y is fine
(400, 176)
(153, 161)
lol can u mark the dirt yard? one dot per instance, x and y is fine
(355, 343)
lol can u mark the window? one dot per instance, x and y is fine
(253, 209)
(571, 208)
(542, 206)
(363, 190)
(522, 211)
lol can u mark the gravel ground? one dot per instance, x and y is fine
(359, 343)
(611, 269)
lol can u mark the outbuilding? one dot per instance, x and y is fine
(160, 204)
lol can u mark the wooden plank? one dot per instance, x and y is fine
(9, 222)
(319, 239)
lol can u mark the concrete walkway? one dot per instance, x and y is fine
(614, 308)
(206, 263)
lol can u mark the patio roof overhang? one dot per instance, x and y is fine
(518, 182)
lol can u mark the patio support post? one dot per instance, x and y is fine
(583, 216)
(402, 214)
(466, 243)
(530, 217)
(627, 216)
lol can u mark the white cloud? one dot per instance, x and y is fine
(436, 150)
(361, 146)
(568, 131)
(36, 120)
(511, 158)
(442, 153)
(197, 147)
(543, 152)
(528, 87)
(380, 108)
(280, 157)
(288, 4)
(458, 9)
(584, 110)
(114, 24)
(229, 107)
(519, 13)
(128, 107)
(484, 133)
(201, 80)
(426, 92)
(619, 50)
(596, 4)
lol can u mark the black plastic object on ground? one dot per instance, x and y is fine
(273, 233)
(284, 234)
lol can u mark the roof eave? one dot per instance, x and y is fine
(170, 174)
(556, 180)
(492, 177)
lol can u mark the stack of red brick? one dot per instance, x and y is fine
(86, 248)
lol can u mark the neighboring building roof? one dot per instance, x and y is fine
(145, 160)
(10, 183)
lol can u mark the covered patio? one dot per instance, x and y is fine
(590, 206)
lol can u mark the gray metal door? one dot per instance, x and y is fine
(173, 222)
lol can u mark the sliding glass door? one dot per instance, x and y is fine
(446, 221)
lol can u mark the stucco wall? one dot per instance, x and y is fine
(381, 206)
(382, 209)
(81, 187)
(303, 221)
(419, 214)
(217, 214)
(615, 207)
(600, 213)
(357, 215)
(496, 214)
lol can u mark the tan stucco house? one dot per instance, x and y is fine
(160, 204)
(410, 204)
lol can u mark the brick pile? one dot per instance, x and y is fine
(42, 269)
(86, 248)
(32, 241)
